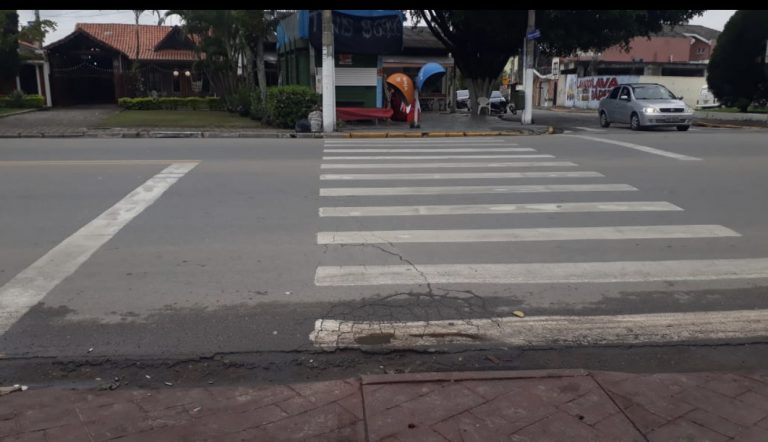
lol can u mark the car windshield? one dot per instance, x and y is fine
(462, 93)
(652, 92)
(496, 94)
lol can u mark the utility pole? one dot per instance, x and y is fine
(528, 73)
(38, 44)
(329, 74)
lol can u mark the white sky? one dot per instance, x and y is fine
(66, 19)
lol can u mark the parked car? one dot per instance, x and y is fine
(498, 102)
(462, 99)
(643, 105)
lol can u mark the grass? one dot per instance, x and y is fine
(751, 109)
(9, 110)
(179, 119)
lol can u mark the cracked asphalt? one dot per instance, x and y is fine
(223, 264)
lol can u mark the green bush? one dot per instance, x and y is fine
(257, 106)
(170, 103)
(287, 104)
(19, 100)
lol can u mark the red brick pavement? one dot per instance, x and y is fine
(564, 405)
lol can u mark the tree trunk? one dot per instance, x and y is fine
(261, 73)
(478, 87)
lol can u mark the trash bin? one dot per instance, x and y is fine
(519, 99)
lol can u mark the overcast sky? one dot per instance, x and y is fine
(66, 19)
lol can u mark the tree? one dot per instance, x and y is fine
(37, 30)
(481, 41)
(736, 73)
(9, 44)
(225, 43)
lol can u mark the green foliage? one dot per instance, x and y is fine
(18, 100)
(240, 101)
(258, 109)
(170, 103)
(737, 73)
(37, 30)
(481, 41)
(9, 44)
(287, 104)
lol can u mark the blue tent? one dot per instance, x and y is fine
(428, 73)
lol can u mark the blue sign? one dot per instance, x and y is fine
(533, 35)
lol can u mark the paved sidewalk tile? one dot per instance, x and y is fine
(520, 406)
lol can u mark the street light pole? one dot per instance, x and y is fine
(329, 75)
(527, 117)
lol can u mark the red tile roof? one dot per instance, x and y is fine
(122, 37)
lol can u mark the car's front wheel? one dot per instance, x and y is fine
(634, 122)
(683, 128)
(604, 120)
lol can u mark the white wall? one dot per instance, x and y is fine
(688, 87)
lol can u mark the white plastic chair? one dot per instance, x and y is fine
(483, 102)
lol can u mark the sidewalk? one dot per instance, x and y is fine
(560, 405)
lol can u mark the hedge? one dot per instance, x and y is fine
(287, 104)
(171, 103)
(22, 101)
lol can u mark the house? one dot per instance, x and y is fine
(682, 50)
(32, 78)
(369, 46)
(677, 57)
(93, 63)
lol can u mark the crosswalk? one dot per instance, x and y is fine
(504, 178)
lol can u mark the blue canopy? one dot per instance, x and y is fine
(429, 71)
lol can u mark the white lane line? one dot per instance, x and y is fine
(525, 234)
(448, 150)
(467, 209)
(466, 190)
(331, 334)
(443, 165)
(589, 129)
(640, 147)
(545, 273)
(30, 286)
(452, 176)
(432, 157)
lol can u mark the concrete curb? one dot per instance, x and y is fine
(455, 376)
(730, 124)
(23, 111)
(138, 133)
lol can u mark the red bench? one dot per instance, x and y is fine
(363, 113)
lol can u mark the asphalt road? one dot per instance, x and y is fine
(106, 252)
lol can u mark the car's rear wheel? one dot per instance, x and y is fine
(634, 122)
(683, 128)
(604, 120)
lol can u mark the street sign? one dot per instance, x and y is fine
(533, 35)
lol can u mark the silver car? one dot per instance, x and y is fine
(643, 105)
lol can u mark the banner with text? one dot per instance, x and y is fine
(590, 90)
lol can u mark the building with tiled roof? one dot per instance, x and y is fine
(94, 63)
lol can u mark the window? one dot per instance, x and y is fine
(177, 83)
(701, 51)
(624, 91)
(614, 93)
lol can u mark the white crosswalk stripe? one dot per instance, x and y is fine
(530, 234)
(431, 157)
(467, 209)
(456, 176)
(445, 165)
(458, 149)
(542, 272)
(468, 190)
